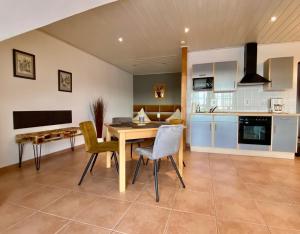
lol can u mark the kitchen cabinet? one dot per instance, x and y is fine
(203, 70)
(225, 76)
(217, 131)
(280, 72)
(225, 131)
(285, 133)
(201, 130)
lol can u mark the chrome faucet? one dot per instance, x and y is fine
(211, 110)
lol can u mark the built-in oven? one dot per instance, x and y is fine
(202, 84)
(255, 130)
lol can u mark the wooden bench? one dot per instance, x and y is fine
(39, 138)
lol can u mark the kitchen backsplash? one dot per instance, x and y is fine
(245, 99)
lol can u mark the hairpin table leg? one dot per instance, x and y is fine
(72, 141)
(21, 148)
(37, 152)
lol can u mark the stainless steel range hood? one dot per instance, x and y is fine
(250, 65)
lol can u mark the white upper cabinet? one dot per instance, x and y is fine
(225, 76)
(203, 70)
(280, 72)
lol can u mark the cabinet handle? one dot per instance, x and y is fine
(234, 84)
(215, 125)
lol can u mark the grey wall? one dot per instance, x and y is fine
(143, 88)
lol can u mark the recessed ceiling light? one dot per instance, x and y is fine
(120, 39)
(186, 29)
(182, 42)
(273, 18)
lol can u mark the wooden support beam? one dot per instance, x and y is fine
(183, 87)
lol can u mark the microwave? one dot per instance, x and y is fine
(202, 84)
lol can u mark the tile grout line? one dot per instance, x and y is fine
(167, 222)
(169, 215)
(21, 220)
(63, 226)
(214, 200)
(122, 216)
(52, 202)
(75, 220)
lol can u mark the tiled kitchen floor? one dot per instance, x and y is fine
(224, 194)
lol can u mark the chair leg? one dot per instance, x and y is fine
(147, 161)
(86, 168)
(94, 161)
(131, 150)
(143, 160)
(137, 168)
(116, 161)
(158, 164)
(156, 179)
(176, 169)
(184, 164)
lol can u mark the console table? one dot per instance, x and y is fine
(39, 138)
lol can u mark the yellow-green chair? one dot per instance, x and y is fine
(94, 147)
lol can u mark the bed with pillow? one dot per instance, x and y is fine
(149, 112)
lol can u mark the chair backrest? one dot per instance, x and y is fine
(120, 120)
(89, 133)
(176, 121)
(167, 141)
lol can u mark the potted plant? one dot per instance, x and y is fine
(97, 109)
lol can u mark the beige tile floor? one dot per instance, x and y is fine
(224, 194)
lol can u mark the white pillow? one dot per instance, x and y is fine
(141, 113)
(175, 115)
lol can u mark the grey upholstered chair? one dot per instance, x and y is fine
(166, 144)
(120, 120)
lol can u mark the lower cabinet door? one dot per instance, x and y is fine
(225, 135)
(284, 134)
(201, 133)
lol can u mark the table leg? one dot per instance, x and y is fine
(72, 141)
(180, 157)
(108, 154)
(122, 163)
(21, 149)
(37, 152)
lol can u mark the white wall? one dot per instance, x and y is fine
(143, 89)
(92, 78)
(264, 52)
(17, 16)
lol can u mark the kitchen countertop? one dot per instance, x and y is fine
(248, 113)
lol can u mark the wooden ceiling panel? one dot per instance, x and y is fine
(152, 29)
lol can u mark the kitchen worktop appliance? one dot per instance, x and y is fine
(276, 105)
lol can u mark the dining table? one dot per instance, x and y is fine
(129, 131)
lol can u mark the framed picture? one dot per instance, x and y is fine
(159, 90)
(24, 64)
(64, 81)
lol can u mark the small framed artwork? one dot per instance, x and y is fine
(64, 81)
(159, 90)
(24, 64)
